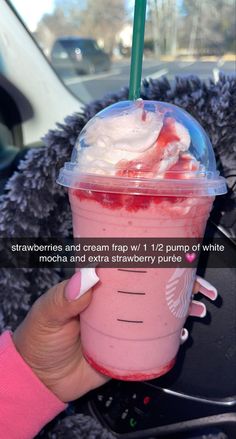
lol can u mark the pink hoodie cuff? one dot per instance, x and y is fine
(26, 403)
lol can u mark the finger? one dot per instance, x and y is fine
(184, 335)
(69, 298)
(197, 309)
(81, 282)
(204, 287)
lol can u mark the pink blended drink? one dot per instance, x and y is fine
(145, 170)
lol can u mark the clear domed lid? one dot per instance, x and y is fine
(144, 147)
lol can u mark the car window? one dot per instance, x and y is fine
(73, 44)
(29, 88)
(59, 51)
(182, 37)
(87, 44)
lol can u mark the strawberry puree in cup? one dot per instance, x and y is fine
(140, 169)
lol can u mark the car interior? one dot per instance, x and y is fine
(197, 398)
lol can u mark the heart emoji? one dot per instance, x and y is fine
(190, 257)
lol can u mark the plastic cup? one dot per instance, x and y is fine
(133, 327)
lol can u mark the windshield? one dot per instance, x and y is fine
(79, 43)
(182, 37)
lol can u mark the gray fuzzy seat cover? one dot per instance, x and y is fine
(34, 205)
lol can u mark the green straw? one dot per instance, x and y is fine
(137, 49)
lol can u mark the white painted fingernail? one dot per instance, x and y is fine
(184, 335)
(89, 278)
(80, 282)
(197, 309)
(206, 288)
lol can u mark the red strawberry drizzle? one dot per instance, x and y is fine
(186, 164)
(148, 162)
(144, 115)
(132, 203)
(168, 133)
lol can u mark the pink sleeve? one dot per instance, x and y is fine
(26, 405)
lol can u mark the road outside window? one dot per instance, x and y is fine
(88, 42)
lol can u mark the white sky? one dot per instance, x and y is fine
(32, 10)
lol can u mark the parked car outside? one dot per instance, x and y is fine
(79, 55)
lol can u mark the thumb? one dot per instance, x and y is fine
(68, 299)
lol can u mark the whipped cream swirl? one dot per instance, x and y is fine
(131, 136)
